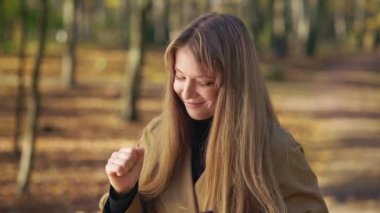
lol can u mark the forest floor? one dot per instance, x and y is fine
(331, 105)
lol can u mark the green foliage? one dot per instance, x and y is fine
(7, 46)
(8, 12)
(55, 20)
(32, 21)
(264, 39)
(11, 9)
(358, 25)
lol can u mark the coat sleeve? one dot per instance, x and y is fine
(136, 206)
(297, 182)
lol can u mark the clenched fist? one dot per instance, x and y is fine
(124, 167)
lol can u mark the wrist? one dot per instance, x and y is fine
(120, 193)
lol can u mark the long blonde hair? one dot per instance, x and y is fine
(238, 173)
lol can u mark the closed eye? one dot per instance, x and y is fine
(206, 83)
(176, 77)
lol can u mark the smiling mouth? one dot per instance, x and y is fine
(193, 104)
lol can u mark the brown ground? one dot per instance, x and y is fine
(332, 106)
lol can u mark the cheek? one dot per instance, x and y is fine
(211, 95)
(177, 88)
(214, 97)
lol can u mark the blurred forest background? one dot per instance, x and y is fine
(80, 79)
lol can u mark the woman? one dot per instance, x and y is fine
(217, 145)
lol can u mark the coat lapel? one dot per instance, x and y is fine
(179, 195)
(200, 191)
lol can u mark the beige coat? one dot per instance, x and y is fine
(297, 182)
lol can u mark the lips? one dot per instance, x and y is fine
(193, 104)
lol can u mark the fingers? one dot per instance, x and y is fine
(123, 160)
(114, 169)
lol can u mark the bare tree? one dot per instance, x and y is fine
(263, 25)
(134, 58)
(339, 20)
(279, 39)
(70, 20)
(318, 16)
(369, 28)
(300, 25)
(5, 33)
(175, 18)
(20, 80)
(161, 20)
(246, 12)
(183, 12)
(33, 109)
(124, 16)
(189, 11)
(204, 6)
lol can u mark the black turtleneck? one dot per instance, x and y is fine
(201, 132)
(201, 129)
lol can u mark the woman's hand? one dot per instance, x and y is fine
(124, 167)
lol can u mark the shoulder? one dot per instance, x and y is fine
(154, 125)
(297, 182)
(286, 152)
(151, 132)
(281, 141)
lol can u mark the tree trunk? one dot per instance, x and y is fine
(175, 18)
(5, 29)
(68, 62)
(370, 26)
(339, 21)
(204, 6)
(98, 16)
(377, 39)
(84, 29)
(300, 25)
(124, 16)
(161, 19)
(26, 163)
(317, 9)
(265, 32)
(20, 80)
(135, 55)
(359, 22)
(279, 40)
(249, 14)
(189, 12)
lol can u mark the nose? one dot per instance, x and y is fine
(189, 90)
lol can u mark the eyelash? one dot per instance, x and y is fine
(205, 83)
(179, 78)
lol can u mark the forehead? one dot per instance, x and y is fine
(186, 63)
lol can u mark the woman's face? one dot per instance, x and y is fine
(197, 91)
